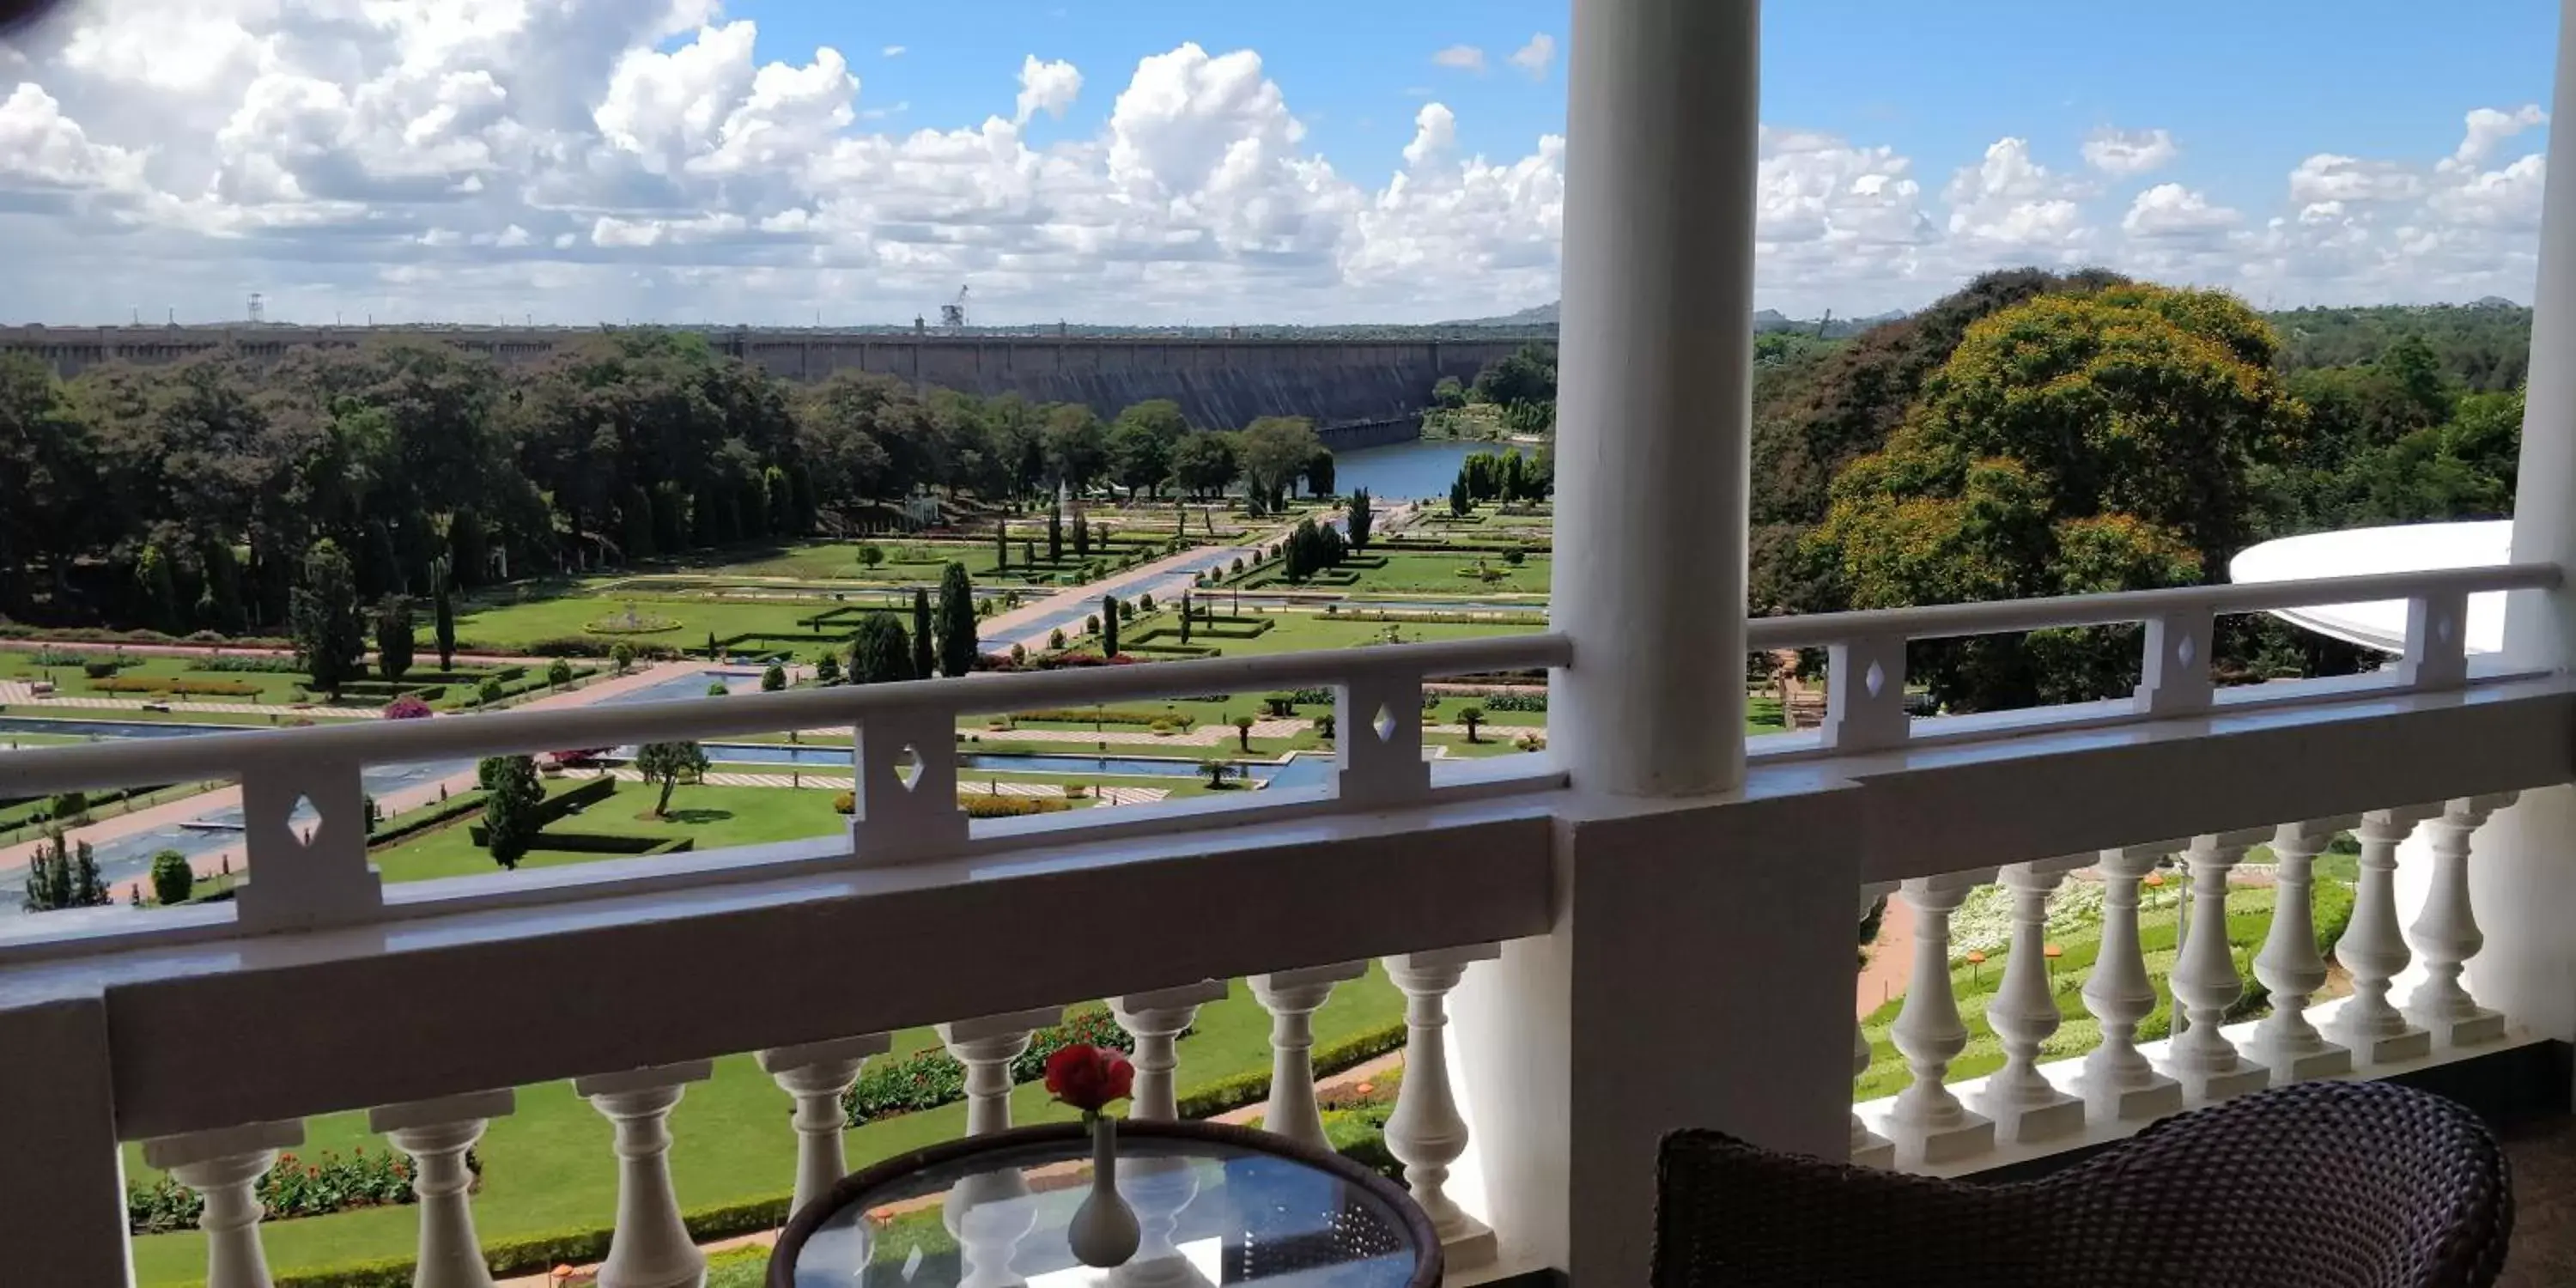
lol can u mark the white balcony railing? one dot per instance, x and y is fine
(424, 1002)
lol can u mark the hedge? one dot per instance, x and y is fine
(561, 803)
(1242, 1089)
(1105, 715)
(980, 805)
(174, 684)
(414, 822)
(609, 843)
(930, 1077)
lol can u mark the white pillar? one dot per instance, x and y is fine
(1292, 997)
(1426, 1133)
(1654, 396)
(817, 1075)
(224, 1168)
(1156, 1020)
(436, 1135)
(2374, 951)
(2204, 979)
(2118, 1082)
(2024, 1105)
(986, 1047)
(1928, 1122)
(1868, 1148)
(2525, 876)
(2290, 967)
(650, 1247)
(2445, 934)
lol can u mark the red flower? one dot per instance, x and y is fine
(1089, 1078)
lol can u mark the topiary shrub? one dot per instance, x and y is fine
(172, 879)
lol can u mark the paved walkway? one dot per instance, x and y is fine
(1165, 579)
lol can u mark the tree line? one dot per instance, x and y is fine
(2044, 434)
(190, 496)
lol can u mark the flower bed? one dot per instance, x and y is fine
(295, 1187)
(174, 684)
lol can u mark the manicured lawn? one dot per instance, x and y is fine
(2249, 919)
(567, 615)
(549, 1166)
(1441, 574)
(274, 687)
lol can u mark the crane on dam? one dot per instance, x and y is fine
(952, 315)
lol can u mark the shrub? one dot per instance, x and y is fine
(406, 707)
(1254, 1087)
(1282, 705)
(259, 663)
(1104, 715)
(930, 1077)
(773, 679)
(172, 879)
(100, 668)
(489, 692)
(845, 803)
(1516, 700)
(1055, 638)
(978, 805)
(558, 673)
(621, 655)
(58, 657)
(176, 684)
(294, 1187)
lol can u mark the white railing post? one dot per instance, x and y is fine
(2436, 641)
(2289, 966)
(1292, 997)
(295, 884)
(987, 1046)
(224, 1168)
(2024, 1105)
(1426, 1133)
(437, 1134)
(2204, 979)
(1156, 1020)
(1928, 1122)
(904, 801)
(2445, 934)
(2119, 1083)
(1868, 1148)
(1377, 740)
(650, 1246)
(816, 1075)
(1865, 694)
(2175, 677)
(2374, 950)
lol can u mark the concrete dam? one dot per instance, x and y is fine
(1359, 393)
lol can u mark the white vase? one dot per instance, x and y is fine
(1103, 1232)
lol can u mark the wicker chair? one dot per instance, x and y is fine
(2315, 1185)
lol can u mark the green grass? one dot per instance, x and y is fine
(567, 613)
(549, 1166)
(2249, 919)
(1443, 574)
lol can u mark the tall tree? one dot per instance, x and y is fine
(666, 763)
(1204, 464)
(330, 639)
(2072, 443)
(1109, 626)
(958, 650)
(1077, 449)
(924, 656)
(1274, 451)
(1319, 472)
(393, 636)
(880, 652)
(511, 796)
(1362, 518)
(1140, 458)
(63, 875)
(442, 612)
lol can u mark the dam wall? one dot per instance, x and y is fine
(1359, 393)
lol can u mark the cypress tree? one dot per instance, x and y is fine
(923, 658)
(442, 610)
(1109, 626)
(956, 623)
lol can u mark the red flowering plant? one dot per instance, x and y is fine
(1089, 1078)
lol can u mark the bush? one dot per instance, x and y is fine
(489, 692)
(413, 822)
(1281, 705)
(1254, 1087)
(259, 663)
(100, 668)
(773, 679)
(558, 673)
(406, 707)
(322, 1185)
(1104, 715)
(977, 805)
(930, 1077)
(172, 879)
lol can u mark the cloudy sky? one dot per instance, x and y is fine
(1144, 161)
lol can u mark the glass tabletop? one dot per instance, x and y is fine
(1211, 1212)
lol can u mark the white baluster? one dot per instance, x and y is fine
(650, 1247)
(2445, 933)
(437, 1134)
(1156, 1020)
(224, 1168)
(817, 1075)
(1928, 1122)
(1292, 998)
(2373, 949)
(1868, 1148)
(2204, 980)
(2289, 965)
(1426, 1133)
(2022, 1103)
(986, 1047)
(2118, 1082)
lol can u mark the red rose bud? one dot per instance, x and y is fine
(1089, 1078)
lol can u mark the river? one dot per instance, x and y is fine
(1420, 469)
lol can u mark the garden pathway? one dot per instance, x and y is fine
(1165, 578)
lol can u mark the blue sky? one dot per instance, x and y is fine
(1153, 160)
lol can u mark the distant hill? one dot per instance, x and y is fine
(1763, 320)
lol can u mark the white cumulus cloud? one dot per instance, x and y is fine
(1046, 87)
(2123, 153)
(1533, 58)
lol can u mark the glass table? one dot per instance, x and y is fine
(1217, 1205)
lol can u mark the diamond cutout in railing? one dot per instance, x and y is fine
(1873, 679)
(1384, 723)
(907, 766)
(304, 832)
(2442, 628)
(2185, 651)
